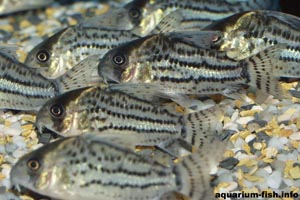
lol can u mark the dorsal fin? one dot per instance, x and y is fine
(170, 23)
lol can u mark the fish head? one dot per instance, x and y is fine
(238, 29)
(58, 114)
(47, 56)
(143, 15)
(140, 16)
(35, 170)
(128, 63)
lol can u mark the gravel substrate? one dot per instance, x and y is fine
(264, 137)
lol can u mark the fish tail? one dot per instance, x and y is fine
(259, 71)
(201, 126)
(193, 172)
(82, 75)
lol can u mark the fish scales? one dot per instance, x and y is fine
(108, 112)
(55, 55)
(248, 33)
(89, 167)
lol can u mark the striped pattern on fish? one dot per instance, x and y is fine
(168, 61)
(93, 168)
(62, 51)
(144, 15)
(248, 33)
(23, 88)
(107, 113)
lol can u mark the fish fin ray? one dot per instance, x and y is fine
(194, 170)
(199, 39)
(157, 93)
(9, 50)
(201, 126)
(84, 74)
(170, 23)
(261, 69)
(128, 142)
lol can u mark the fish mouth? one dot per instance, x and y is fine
(112, 82)
(46, 134)
(16, 187)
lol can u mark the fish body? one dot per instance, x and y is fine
(107, 112)
(248, 33)
(23, 88)
(12, 6)
(144, 15)
(62, 51)
(175, 66)
(87, 167)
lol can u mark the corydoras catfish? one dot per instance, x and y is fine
(109, 112)
(23, 88)
(144, 15)
(66, 48)
(246, 34)
(175, 64)
(88, 167)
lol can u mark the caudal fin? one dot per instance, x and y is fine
(199, 127)
(260, 71)
(84, 74)
(193, 172)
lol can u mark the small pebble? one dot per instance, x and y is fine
(295, 136)
(276, 143)
(249, 138)
(229, 163)
(10, 148)
(244, 120)
(274, 180)
(257, 145)
(262, 136)
(268, 169)
(295, 172)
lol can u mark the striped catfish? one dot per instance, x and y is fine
(107, 112)
(248, 33)
(66, 48)
(23, 88)
(63, 50)
(87, 167)
(174, 65)
(143, 15)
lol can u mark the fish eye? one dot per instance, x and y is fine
(57, 110)
(33, 164)
(134, 13)
(43, 56)
(119, 59)
(216, 38)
